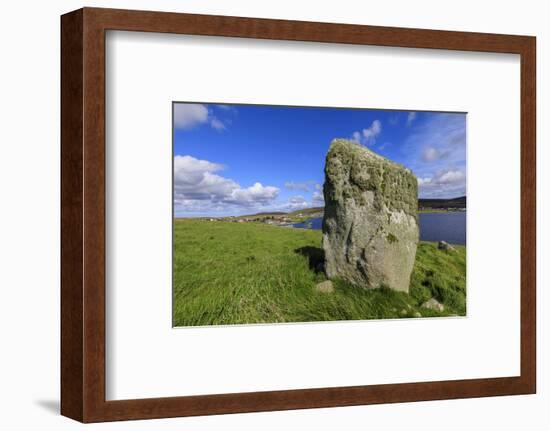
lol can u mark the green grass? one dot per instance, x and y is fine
(441, 275)
(238, 273)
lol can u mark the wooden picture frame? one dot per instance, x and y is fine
(83, 335)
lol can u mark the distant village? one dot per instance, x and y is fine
(276, 219)
(289, 219)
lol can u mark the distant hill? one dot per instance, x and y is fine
(459, 202)
(267, 213)
(306, 211)
(454, 203)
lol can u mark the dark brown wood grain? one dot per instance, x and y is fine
(83, 214)
(72, 305)
(528, 217)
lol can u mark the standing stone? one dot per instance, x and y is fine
(370, 225)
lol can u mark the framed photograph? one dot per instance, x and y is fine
(324, 229)
(267, 215)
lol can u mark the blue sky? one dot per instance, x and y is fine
(242, 159)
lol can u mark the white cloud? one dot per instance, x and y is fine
(196, 179)
(305, 186)
(430, 154)
(372, 132)
(217, 124)
(318, 199)
(253, 195)
(435, 147)
(444, 184)
(443, 136)
(410, 118)
(450, 177)
(292, 204)
(189, 115)
(227, 108)
(424, 181)
(296, 202)
(197, 187)
(368, 136)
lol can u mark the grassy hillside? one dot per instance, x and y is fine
(235, 273)
(305, 211)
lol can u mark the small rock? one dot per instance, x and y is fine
(325, 287)
(445, 246)
(417, 314)
(433, 304)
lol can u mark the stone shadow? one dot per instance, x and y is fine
(315, 256)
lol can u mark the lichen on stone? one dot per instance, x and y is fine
(362, 169)
(391, 238)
